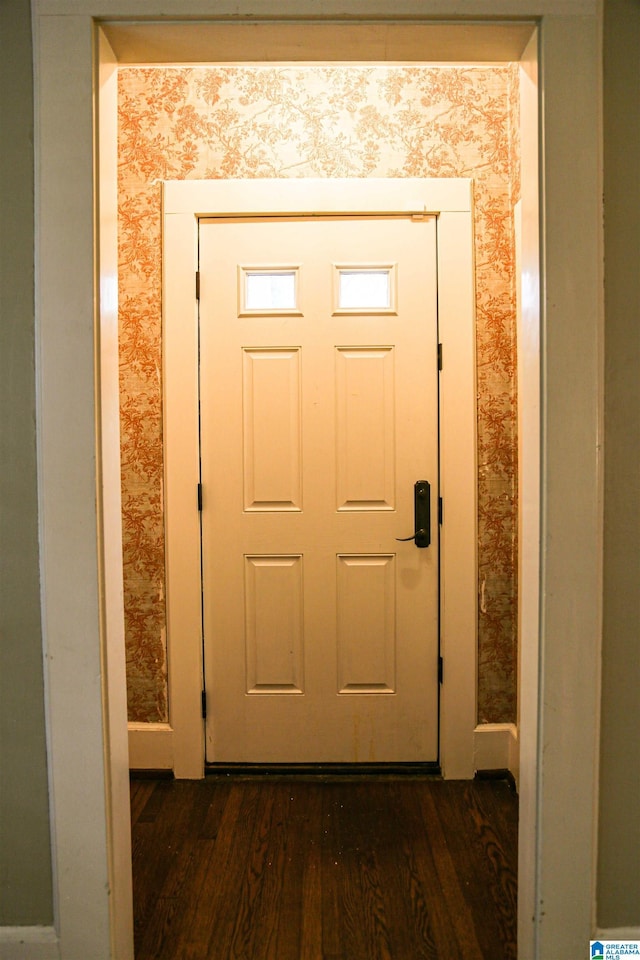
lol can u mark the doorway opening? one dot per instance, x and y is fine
(118, 34)
(74, 307)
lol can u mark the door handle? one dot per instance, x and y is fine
(421, 514)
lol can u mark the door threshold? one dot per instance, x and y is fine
(321, 770)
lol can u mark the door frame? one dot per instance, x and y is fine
(75, 284)
(184, 202)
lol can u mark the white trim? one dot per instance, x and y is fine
(418, 10)
(182, 526)
(110, 507)
(183, 202)
(246, 197)
(495, 747)
(73, 587)
(150, 746)
(459, 491)
(616, 933)
(528, 292)
(29, 943)
(571, 488)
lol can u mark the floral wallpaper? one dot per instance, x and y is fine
(319, 121)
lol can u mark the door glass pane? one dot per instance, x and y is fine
(364, 289)
(270, 291)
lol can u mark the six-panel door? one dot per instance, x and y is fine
(319, 412)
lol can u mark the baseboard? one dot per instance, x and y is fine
(495, 747)
(29, 943)
(150, 746)
(617, 933)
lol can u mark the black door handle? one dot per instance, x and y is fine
(421, 514)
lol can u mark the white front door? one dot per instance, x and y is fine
(319, 412)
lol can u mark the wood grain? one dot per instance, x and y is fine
(322, 868)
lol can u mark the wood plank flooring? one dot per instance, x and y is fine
(380, 868)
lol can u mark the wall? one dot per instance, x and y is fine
(201, 123)
(25, 861)
(619, 834)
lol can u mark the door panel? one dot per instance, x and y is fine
(366, 624)
(274, 624)
(365, 428)
(272, 455)
(318, 414)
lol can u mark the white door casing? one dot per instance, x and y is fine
(185, 202)
(318, 413)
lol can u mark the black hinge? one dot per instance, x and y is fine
(439, 356)
(440, 510)
(203, 704)
(440, 670)
(197, 284)
(199, 496)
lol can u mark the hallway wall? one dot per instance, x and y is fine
(619, 836)
(322, 121)
(25, 855)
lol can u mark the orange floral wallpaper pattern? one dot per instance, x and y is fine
(320, 121)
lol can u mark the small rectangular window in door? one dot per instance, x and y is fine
(364, 289)
(264, 291)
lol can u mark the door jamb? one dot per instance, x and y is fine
(183, 203)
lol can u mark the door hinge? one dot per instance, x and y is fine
(440, 670)
(439, 356)
(440, 510)
(199, 496)
(197, 284)
(203, 704)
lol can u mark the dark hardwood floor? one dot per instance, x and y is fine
(379, 868)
